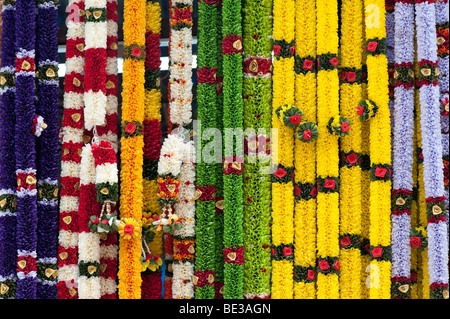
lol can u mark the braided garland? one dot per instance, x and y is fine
(350, 150)
(207, 117)
(25, 148)
(151, 280)
(282, 179)
(72, 143)
(257, 89)
(305, 170)
(380, 148)
(8, 182)
(402, 179)
(327, 149)
(132, 144)
(432, 150)
(47, 144)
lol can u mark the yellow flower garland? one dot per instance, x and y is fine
(305, 153)
(132, 146)
(327, 151)
(415, 220)
(380, 149)
(350, 172)
(283, 192)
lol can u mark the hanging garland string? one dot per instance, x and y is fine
(365, 182)
(442, 32)
(432, 150)
(380, 148)
(180, 87)
(402, 179)
(350, 150)
(257, 89)
(218, 220)
(27, 124)
(47, 143)
(88, 242)
(282, 179)
(305, 170)
(207, 117)
(233, 250)
(72, 143)
(132, 144)
(8, 182)
(327, 149)
(109, 132)
(414, 212)
(151, 279)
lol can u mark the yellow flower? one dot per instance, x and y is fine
(129, 228)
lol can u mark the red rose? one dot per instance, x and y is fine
(323, 265)
(352, 158)
(377, 251)
(413, 277)
(265, 246)
(308, 64)
(311, 274)
(136, 52)
(280, 173)
(276, 49)
(330, 183)
(336, 264)
(130, 128)
(416, 242)
(287, 251)
(380, 172)
(351, 76)
(343, 75)
(128, 229)
(274, 252)
(345, 241)
(307, 134)
(314, 191)
(360, 110)
(334, 61)
(372, 46)
(295, 119)
(292, 48)
(345, 127)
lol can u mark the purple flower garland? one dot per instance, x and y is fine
(25, 150)
(8, 182)
(442, 24)
(403, 146)
(47, 149)
(432, 148)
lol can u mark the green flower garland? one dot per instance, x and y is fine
(207, 115)
(257, 115)
(232, 119)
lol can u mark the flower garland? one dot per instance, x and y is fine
(442, 32)
(390, 54)
(282, 179)
(328, 150)
(305, 170)
(132, 144)
(25, 150)
(47, 144)
(350, 150)
(415, 215)
(151, 280)
(380, 148)
(72, 143)
(88, 242)
(207, 116)
(257, 89)
(219, 259)
(108, 132)
(8, 182)
(95, 63)
(233, 250)
(432, 150)
(180, 87)
(403, 140)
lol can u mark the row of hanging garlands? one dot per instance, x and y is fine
(357, 207)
